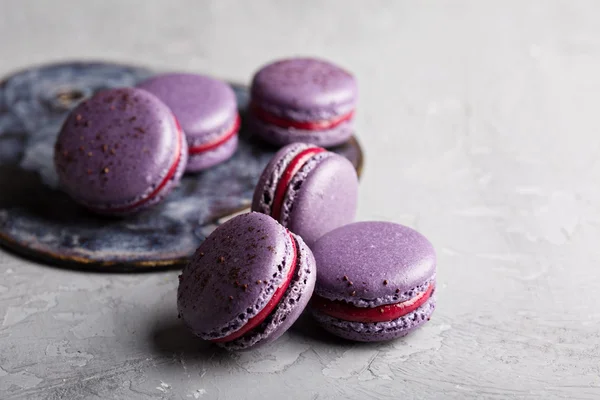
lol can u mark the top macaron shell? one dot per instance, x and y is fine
(320, 197)
(327, 197)
(303, 100)
(115, 149)
(206, 109)
(234, 274)
(383, 261)
(304, 89)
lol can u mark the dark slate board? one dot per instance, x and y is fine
(40, 222)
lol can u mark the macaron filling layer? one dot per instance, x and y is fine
(271, 305)
(170, 174)
(211, 145)
(290, 171)
(320, 125)
(348, 312)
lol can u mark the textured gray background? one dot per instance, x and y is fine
(480, 124)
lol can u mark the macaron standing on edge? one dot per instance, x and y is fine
(303, 100)
(375, 281)
(247, 283)
(207, 111)
(120, 151)
(308, 189)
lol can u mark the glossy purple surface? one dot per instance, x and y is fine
(116, 148)
(203, 105)
(383, 260)
(326, 199)
(304, 89)
(234, 274)
(320, 197)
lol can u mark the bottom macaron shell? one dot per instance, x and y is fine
(377, 331)
(207, 159)
(282, 136)
(289, 308)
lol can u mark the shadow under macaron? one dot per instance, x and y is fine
(170, 336)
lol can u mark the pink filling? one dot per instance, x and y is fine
(389, 312)
(305, 125)
(218, 141)
(292, 169)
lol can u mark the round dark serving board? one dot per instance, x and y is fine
(40, 222)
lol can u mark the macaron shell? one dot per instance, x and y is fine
(159, 196)
(380, 262)
(116, 147)
(210, 158)
(289, 309)
(279, 136)
(321, 197)
(379, 331)
(267, 183)
(304, 89)
(203, 105)
(233, 275)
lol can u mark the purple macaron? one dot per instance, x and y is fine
(120, 151)
(308, 189)
(207, 111)
(303, 100)
(375, 281)
(247, 283)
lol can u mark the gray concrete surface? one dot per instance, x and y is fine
(480, 123)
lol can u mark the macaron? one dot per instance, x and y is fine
(207, 111)
(247, 283)
(120, 151)
(303, 100)
(375, 281)
(308, 189)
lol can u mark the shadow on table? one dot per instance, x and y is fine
(309, 329)
(171, 337)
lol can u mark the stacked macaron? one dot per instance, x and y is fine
(124, 150)
(303, 100)
(120, 152)
(207, 111)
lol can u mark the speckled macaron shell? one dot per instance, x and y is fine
(120, 151)
(304, 89)
(206, 109)
(381, 263)
(290, 307)
(320, 197)
(233, 275)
